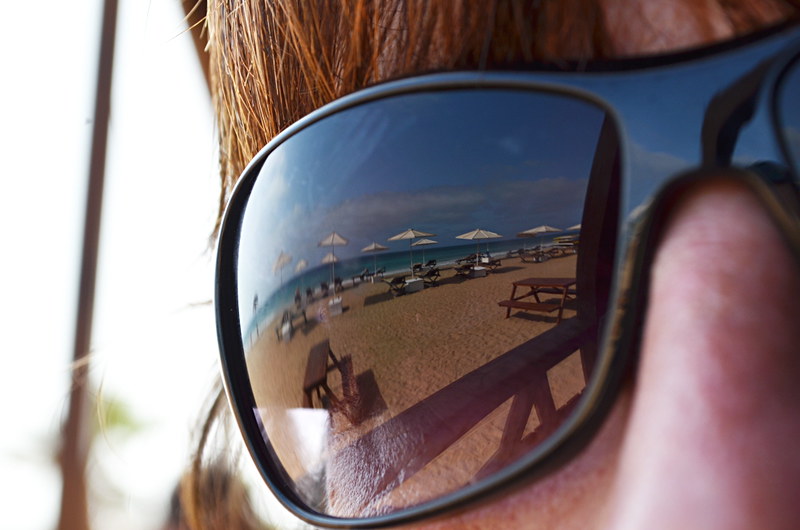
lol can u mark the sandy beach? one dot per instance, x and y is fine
(408, 367)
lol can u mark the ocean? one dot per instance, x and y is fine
(396, 262)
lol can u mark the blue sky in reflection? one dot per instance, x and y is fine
(503, 161)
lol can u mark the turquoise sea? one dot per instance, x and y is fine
(396, 262)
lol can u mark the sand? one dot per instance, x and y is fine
(397, 352)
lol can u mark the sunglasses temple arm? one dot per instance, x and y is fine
(725, 116)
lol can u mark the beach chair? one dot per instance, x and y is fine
(324, 289)
(337, 285)
(362, 276)
(397, 285)
(285, 329)
(431, 277)
(536, 255)
(467, 259)
(464, 270)
(379, 273)
(416, 268)
(430, 264)
(492, 263)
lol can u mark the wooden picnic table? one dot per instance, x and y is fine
(317, 369)
(535, 287)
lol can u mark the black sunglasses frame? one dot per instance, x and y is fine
(766, 55)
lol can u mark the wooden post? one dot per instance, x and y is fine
(76, 433)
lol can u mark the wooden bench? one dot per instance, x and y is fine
(317, 368)
(528, 306)
(552, 290)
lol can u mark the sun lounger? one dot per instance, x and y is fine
(397, 285)
(492, 263)
(431, 277)
(534, 256)
(362, 276)
(464, 270)
(285, 329)
(466, 260)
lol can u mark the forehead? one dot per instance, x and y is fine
(642, 27)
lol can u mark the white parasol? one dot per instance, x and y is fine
(538, 231)
(478, 235)
(410, 234)
(332, 240)
(374, 247)
(283, 260)
(423, 243)
(541, 229)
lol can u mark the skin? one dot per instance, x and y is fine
(706, 436)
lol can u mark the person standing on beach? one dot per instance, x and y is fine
(705, 434)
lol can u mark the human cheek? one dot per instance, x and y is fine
(573, 497)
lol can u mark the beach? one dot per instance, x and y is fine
(400, 367)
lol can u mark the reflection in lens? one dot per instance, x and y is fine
(418, 289)
(788, 105)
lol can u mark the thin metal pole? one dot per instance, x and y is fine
(76, 432)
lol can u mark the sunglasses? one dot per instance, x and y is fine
(433, 289)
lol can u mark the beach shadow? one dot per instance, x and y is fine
(456, 279)
(309, 326)
(361, 398)
(534, 317)
(443, 417)
(505, 269)
(377, 298)
(367, 400)
(552, 318)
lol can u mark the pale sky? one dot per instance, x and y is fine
(154, 349)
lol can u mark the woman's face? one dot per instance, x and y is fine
(706, 436)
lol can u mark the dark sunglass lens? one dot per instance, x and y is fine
(420, 281)
(788, 107)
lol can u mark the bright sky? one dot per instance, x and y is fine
(154, 350)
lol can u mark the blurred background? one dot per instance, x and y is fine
(153, 348)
